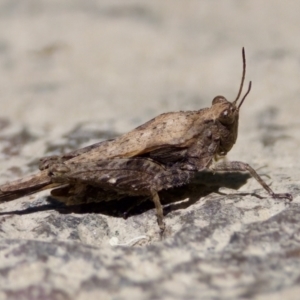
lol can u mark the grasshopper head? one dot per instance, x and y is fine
(228, 112)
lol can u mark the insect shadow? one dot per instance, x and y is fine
(204, 184)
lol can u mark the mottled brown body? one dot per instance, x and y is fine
(163, 153)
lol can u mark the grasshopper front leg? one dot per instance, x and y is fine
(243, 167)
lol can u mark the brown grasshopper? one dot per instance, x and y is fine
(163, 153)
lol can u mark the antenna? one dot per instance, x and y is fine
(243, 77)
(248, 91)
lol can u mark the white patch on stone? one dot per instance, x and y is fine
(112, 180)
(114, 241)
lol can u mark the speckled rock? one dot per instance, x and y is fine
(76, 72)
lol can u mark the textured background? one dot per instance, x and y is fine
(74, 72)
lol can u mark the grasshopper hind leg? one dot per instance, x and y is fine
(122, 177)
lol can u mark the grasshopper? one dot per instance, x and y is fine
(165, 152)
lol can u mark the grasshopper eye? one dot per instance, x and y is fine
(228, 112)
(228, 115)
(225, 113)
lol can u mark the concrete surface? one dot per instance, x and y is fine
(74, 72)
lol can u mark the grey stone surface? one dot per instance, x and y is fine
(74, 72)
